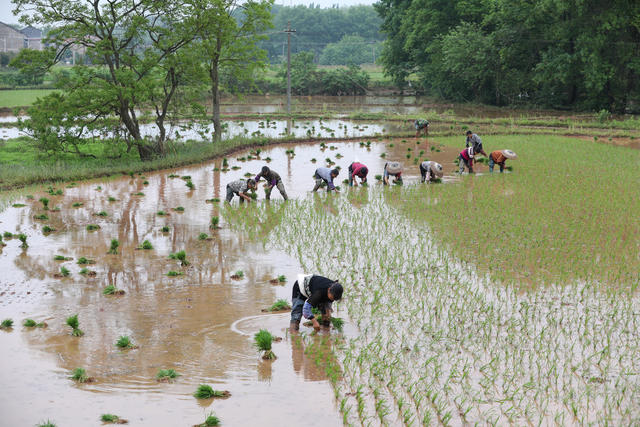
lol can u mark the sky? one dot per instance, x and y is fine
(7, 17)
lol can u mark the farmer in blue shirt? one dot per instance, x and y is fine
(327, 175)
(313, 291)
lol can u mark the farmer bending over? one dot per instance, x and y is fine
(499, 157)
(474, 141)
(327, 175)
(466, 159)
(431, 171)
(273, 180)
(421, 125)
(357, 169)
(312, 291)
(392, 169)
(240, 188)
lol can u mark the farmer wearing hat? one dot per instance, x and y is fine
(273, 180)
(357, 169)
(394, 169)
(313, 291)
(327, 175)
(499, 157)
(474, 141)
(466, 159)
(421, 125)
(240, 188)
(431, 171)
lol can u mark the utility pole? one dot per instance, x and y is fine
(289, 31)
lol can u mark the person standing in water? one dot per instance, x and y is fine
(327, 175)
(474, 141)
(240, 188)
(357, 169)
(392, 169)
(466, 159)
(312, 291)
(499, 157)
(431, 171)
(273, 180)
(421, 125)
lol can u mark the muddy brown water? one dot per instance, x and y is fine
(200, 324)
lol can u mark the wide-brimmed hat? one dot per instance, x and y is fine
(437, 169)
(509, 154)
(394, 168)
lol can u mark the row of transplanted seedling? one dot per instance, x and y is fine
(439, 344)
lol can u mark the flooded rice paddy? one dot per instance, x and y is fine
(199, 323)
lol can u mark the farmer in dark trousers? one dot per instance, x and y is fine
(240, 188)
(273, 180)
(474, 141)
(421, 125)
(312, 291)
(431, 171)
(357, 169)
(466, 159)
(392, 169)
(499, 157)
(327, 175)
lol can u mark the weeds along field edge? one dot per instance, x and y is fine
(440, 342)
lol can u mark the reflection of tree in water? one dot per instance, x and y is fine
(325, 203)
(265, 370)
(303, 363)
(358, 197)
(256, 220)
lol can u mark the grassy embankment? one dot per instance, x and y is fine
(21, 97)
(504, 299)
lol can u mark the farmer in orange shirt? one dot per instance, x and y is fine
(499, 157)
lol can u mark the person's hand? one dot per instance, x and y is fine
(316, 325)
(355, 183)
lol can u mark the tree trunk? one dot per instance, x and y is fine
(215, 91)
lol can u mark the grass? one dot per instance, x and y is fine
(167, 375)
(337, 323)
(124, 342)
(263, 341)
(6, 324)
(205, 391)
(22, 97)
(72, 321)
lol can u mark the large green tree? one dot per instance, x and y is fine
(133, 47)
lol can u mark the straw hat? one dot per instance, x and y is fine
(394, 168)
(437, 169)
(509, 154)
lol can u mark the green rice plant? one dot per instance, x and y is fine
(77, 204)
(79, 375)
(238, 275)
(112, 419)
(124, 342)
(85, 261)
(18, 205)
(165, 229)
(139, 193)
(215, 222)
(167, 375)
(113, 250)
(47, 423)
(214, 200)
(98, 188)
(112, 290)
(225, 162)
(102, 213)
(280, 305)
(337, 323)
(210, 421)
(145, 182)
(111, 199)
(179, 209)
(45, 203)
(6, 324)
(146, 245)
(84, 271)
(173, 273)
(180, 256)
(313, 160)
(203, 236)
(282, 278)
(235, 168)
(7, 235)
(248, 175)
(173, 175)
(263, 340)
(378, 177)
(205, 391)
(64, 271)
(41, 217)
(190, 185)
(23, 238)
(30, 323)
(186, 177)
(161, 213)
(93, 227)
(72, 321)
(46, 229)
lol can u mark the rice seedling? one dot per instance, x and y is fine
(235, 168)
(30, 323)
(86, 272)
(102, 213)
(64, 272)
(85, 261)
(210, 421)
(146, 245)
(77, 204)
(279, 305)
(111, 199)
(215, 222)
(173, 175)
(45, 203)
(167, 375)
(139, 193)
(145, 182)
(113, 249)
(98, 188)
(7, 235)
(267, 159)
(18, 205)
(93, 227)
(337, 323)
(79, 375)
(46, 229)
(6, 324)
(180, 256)
(214, 200)
(225, 162)
(205, 391)
(112, 290)
(248, 175)
(203, 236)
(238, 275)
(74, 323)
(263, 341)
(161, 213)
(190, 185)
(23, 238)
(179, 209)
(125, 343)
(47, 423)
(41, 217)
(112, 419)
(313, 160)
(173, 273)
(165, 229)
(30, 196)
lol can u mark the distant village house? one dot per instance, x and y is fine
(12, 40)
